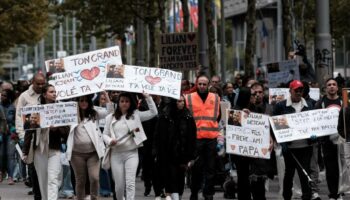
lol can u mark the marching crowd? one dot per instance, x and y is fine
(171, 140)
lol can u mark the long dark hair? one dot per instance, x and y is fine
(243, 99)
(118, 113)
(90, 113)
(42, 99)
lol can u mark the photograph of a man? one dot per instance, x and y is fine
(115, 71)
(234, 118)
(280, 123)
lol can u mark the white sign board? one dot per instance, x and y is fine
(178, 51)
(248, 135)
(49, 115)
(303, 125)
(282, 72)
(150, 80)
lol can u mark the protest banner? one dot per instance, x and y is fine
(49, 115)
(248, 135)
(178, 51)
(303, 125)
(279, 94)
(84, 73)
(282, 72)
(224, 106)
(150, 80)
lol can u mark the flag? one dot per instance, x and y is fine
(179, 16)
(263, 35)
(194, 12)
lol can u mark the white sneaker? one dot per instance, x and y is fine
(340, 198)
(168, 198)
(158, 198)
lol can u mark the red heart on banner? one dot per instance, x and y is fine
(153, 80)
(264, 151)
(90, 74)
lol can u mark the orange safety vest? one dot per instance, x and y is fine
(205, 114)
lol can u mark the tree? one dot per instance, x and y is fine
(186, 15)
(22, 22)
(250, 42)
(287, 27)
(209, 13)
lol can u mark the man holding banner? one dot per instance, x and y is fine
(297, 154)
(329, 146)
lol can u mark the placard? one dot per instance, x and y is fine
(49, 115)
(84, 73)
(248, 135)
(303, 125)
(178, 51)
(150, 80)
(282, 72)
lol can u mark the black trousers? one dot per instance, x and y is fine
(175, 180)
(330, 156)
(246, 187)
(35, 182)
(303, 155)
(204, 167)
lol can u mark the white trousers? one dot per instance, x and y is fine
(124, 166)
(49, 170)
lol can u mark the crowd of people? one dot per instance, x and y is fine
(165, 140)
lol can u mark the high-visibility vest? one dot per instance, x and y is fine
(205, 114)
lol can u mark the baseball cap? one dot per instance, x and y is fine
(296, 84)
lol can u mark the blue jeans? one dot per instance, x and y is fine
(66, 187)
(11, 156)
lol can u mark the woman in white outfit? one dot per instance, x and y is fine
(123, 132)
(47, 154)
(85, 146)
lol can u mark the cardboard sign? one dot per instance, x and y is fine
(282, 72)
(49, 115)
(82, 74)
(303, 125)
(279, 94)
(150, 80)
(248, 135)
(178, 51)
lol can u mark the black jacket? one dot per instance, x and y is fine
(175, 138)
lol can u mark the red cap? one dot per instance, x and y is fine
(296, 84)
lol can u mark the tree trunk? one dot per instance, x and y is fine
(287, 27)
(211, 37)
(152, 45)
(250, 42)
(161, 11)
(186, 15)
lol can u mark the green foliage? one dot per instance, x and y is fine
(22, 22)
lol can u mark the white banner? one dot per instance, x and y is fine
(282, 72)
(49, 115)
(279, 94)
(84, 73)
(248, 135)
(303, 125)
(150, 80)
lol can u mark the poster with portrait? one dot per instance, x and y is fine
(282, 72)
(49, 115)
(248, 135)
(303, 125)
(82, 74)
(150, 80)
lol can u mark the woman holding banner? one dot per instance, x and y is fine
(47, 153)
(124, 134)
(85, 146)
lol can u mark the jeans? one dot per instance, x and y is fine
(82, 164)
(303, 155)
(204, 167)
(124, 166)
(330, 155)
(66, 186)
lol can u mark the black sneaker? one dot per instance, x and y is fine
(147, 191)
(194, 196)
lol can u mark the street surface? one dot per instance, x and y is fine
(19, 191)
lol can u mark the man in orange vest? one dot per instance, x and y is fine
(205, 108)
